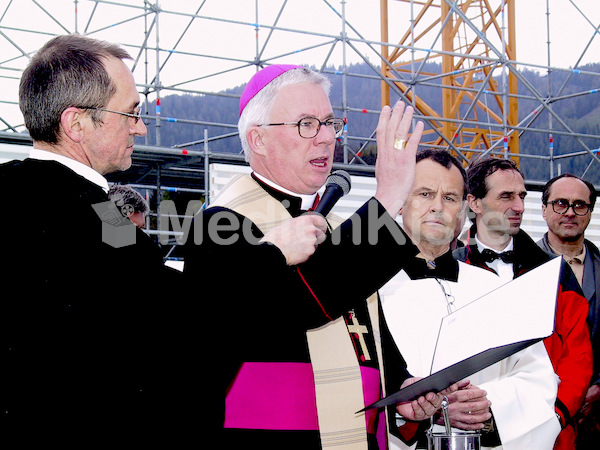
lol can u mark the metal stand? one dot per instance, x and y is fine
(452, 440)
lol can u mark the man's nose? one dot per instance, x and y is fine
(139, 128)
(325, 135)
(518, 205)
(437, 203)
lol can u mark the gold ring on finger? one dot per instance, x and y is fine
(399, 144)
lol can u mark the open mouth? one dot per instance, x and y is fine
(320, 162)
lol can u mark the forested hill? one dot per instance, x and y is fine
(580, 112)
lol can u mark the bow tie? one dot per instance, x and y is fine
(490, 256)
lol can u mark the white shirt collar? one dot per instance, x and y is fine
(81, 169)
(504, 270)
(307, 200)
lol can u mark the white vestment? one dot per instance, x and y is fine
(522, 387)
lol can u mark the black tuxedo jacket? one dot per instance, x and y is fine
(527, 254)
(82, 323)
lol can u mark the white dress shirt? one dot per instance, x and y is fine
(504, 270)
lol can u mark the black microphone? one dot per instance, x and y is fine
(336, 186)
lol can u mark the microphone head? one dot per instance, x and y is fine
(340, 178)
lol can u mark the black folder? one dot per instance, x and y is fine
(452, 374)
(546, 276)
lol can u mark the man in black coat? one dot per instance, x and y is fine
(83, 349)
(266, 301)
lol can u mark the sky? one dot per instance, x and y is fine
(214, 52)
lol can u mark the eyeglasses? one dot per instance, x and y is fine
(561, 206)
(309, 127)
(136, 114)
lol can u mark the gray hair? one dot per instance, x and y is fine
(126, 195)
(67, 71)
(258, 109)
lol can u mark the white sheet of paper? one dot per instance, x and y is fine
(519, 310)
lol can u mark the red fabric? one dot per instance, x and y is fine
(570, 351)
(315, 203)
(566, 439)
(408, 431)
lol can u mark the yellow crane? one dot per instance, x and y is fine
(474, 42)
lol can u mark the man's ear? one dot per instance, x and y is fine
(544, 212)
(71, 123)
(474, 203)
(254, 135)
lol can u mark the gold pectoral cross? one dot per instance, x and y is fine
(360, 331)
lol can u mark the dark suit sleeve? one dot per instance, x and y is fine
(224, 246)
(359, 257)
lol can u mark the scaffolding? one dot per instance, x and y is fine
(479, 111)
(206, 48)
(467, 33)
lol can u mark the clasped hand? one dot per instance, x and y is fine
(426, 405)
(299, 237)
(468, 408)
